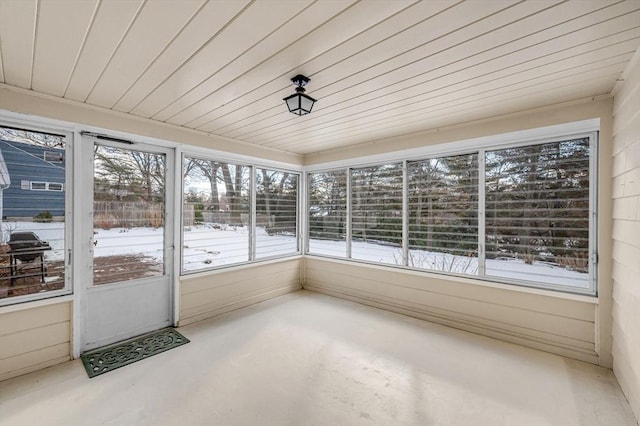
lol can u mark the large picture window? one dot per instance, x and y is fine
(537, 213)
(33, 215)
(443, 214)
(327, 195)
(519, 214)
(276, 213)
(220, 226)
(215, 213)
(376, 213)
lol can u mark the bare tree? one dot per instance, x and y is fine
(25, 136)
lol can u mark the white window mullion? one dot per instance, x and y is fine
(253, 214)
(348, 218)
(405, 214)
(303, 214)
(593, 217)
(482, 267)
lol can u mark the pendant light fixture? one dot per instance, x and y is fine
(299, 103)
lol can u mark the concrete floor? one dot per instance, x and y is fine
(309, 359)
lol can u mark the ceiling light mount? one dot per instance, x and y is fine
(299, 103)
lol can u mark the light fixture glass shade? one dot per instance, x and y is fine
(299, 103)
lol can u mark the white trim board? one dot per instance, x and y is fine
(538, 134)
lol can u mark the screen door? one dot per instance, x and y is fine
(132, 241)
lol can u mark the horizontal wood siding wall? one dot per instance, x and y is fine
(556, 325)
(32, 339)
(207, 295)
(626, 235)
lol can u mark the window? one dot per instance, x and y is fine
(53, 156)
(443, 214)
(215, 214)
(376, 213)
(518, 214)
(38, 186)
(220, 226)
(51, 186)
(42, 186)
(276, 213)
(327, 194)
(537, 213)
(34, 221)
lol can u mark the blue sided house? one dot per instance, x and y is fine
(33, 180)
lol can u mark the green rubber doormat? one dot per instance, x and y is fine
(127, 352)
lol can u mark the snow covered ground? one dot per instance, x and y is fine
(433, 261)
(204, 246)
(211, 245)
(214, 245)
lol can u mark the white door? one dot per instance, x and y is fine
(130, 289)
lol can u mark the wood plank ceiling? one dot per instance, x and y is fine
(378, 68)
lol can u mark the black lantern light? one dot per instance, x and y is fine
(299, 103)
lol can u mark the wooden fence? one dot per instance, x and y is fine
(123, 214)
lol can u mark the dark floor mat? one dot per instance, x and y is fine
(103, 360)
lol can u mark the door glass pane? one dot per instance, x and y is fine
(32, 212)
(128, 214)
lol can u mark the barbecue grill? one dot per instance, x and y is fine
(26, 247)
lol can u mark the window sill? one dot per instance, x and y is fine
(24, 305)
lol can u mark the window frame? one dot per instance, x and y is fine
(253, 166)
(70, 200)
(47, 186)
(480, 189)
(44, 184)
(347, 210)
(478, 147)
(55, 183)
(200, 156)
(403, 208)
(55, 160)
(254, 212)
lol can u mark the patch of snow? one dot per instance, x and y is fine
(215, 245)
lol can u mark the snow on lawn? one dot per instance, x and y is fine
(52, 233)
(214, 245)
(423, 259)
(210, 245)
(205, 246)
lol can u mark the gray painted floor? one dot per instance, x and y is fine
(309, 359)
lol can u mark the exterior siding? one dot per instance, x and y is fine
(25, 162)
(626, 235)
(33, 338)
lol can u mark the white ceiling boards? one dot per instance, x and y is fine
(378, 68)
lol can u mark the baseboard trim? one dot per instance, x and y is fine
(538, 343)
(237, 304)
